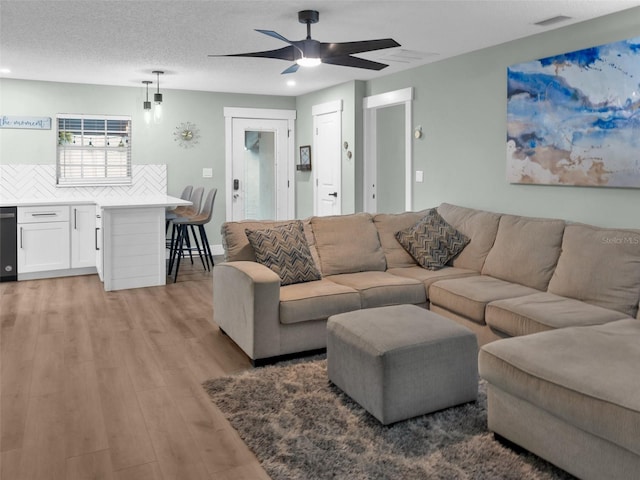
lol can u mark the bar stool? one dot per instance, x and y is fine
(185, 211)
(184, 224)
(172, 213)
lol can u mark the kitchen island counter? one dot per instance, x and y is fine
(104, 202)
(129, 237)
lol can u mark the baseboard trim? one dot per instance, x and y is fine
(67, 272)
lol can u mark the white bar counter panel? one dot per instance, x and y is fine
(133, 241)
(134, 247)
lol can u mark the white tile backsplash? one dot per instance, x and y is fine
(39, 181)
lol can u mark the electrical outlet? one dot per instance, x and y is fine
(207, 172)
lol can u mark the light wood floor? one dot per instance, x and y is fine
(106, 385)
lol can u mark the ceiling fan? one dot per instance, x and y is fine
(310, 52)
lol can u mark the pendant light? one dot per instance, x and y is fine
(146, 105)
(157, 98)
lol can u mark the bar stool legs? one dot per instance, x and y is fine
(176, 253)
(182, 225)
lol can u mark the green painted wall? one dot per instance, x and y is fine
(153, 144)
(461, 105)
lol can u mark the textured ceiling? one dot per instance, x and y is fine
(116, 42)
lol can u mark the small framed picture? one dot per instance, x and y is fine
(305, 158)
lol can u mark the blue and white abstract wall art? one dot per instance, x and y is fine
(574, 119)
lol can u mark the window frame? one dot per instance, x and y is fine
(78, 154)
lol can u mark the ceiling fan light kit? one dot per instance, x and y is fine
(310, 52)
(308, 61)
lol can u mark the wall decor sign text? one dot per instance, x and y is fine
(33, 123)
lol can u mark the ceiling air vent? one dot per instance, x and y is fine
(401, 55)
(552, 20)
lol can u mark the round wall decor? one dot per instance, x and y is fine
(186, 134)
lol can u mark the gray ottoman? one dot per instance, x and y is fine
(402, 361)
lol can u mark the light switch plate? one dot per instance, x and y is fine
(207, 172)
(419, 176)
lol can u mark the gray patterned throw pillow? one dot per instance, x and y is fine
(284, 250)
(432, 242)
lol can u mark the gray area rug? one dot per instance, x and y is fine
(300, 426)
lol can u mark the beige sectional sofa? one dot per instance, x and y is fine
(566, 386)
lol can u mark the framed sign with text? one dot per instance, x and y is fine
(31, 123)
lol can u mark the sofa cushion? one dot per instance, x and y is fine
(432, 242)
(284, 250)
(348, 244)
(387, 225)
(311, 241)
(481, 228)
(378, 289)
(427, 277)
(582, 375)
(526, 250)
(469, 296)
(544, 311)
(236, 244)
(302, 302)
(600, 266)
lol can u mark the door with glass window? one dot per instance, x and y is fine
(259, 169)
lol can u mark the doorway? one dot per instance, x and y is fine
(259, 164)
(379, 184)
(390, 158)
(327, 164)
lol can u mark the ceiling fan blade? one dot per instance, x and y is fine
(348, 61)
(273, 34)
(292, 69)
(348, 48)
(284, 53)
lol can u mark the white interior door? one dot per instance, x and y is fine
(326, 159)
(259, 183)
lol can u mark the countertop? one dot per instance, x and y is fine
(104, 202)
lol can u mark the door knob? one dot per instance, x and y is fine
(334, 194)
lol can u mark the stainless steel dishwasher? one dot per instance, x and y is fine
(8, 244)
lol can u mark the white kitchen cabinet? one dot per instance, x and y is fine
(43, 239)
(83, 236)
(122, 238)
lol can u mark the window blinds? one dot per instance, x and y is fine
(93, 150)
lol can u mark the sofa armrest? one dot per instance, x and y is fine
(246, 303)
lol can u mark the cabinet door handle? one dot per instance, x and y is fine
(21, 237)
(97, 228)
(49, 214)
(75, 218)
